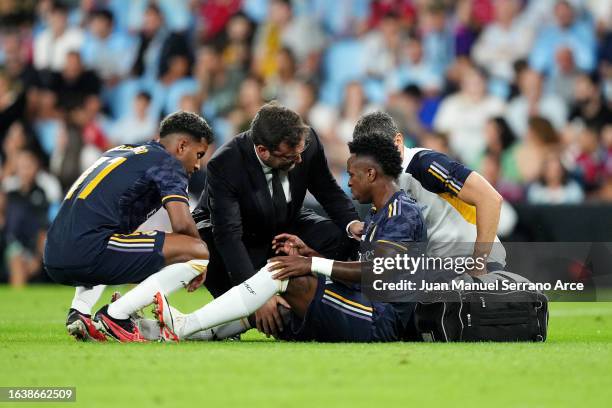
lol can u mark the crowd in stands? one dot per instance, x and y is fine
(520, 90)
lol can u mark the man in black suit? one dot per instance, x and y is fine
(255, 189)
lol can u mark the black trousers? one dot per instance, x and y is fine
(319, 233)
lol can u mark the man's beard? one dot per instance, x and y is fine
(287, 167)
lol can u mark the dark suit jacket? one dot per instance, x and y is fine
(238, 203)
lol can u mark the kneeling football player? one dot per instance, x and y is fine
(92, 243)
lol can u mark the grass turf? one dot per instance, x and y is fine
(573, 368)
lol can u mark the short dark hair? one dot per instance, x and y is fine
(381, 149)
(104, 14)
(274, 124)
(59, 7)
(506, 134)
(186, 122)
(380, 123)
(144, 95)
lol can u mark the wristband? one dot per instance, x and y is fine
(321, 266)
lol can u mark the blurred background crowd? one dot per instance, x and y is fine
(520, 90)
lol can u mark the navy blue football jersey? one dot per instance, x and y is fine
(114, 196)
(400, 220)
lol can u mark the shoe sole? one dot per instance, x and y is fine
(78, 330)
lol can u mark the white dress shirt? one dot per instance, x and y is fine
(267, 170)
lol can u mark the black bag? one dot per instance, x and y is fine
(484, 315)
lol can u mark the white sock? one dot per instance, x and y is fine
(238, 302)
(223, 331)
(167, 280)
(86, 298)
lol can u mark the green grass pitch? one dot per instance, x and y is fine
(572, 369)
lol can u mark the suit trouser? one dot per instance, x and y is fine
(319, 233)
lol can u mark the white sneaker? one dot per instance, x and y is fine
(169, 322)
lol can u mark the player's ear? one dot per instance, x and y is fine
(371, 174)
(182, 145)
(398, 140)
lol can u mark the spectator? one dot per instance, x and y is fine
(554, 186)
(437, 38)
(341, 18)
(306, 99)
(566, 31)
(65, 162)
(189, 103)
(405, 107)
(53, 44)
(78, 17)
(501, 142)
(250, 99)
(562, 81)
(590, 159)
(268, 38)
(218, 83)
(17, 63)
(541, 140)
(174, 83)
(404, 9)
(437, 141)
(236, 53)
(321, 117)
(46, 118)
(466, 24)
(605, 192)
(531, 101)
(26, 221)
(284, 85)
(18, 138)
(215, 15)
(491, 169)
(12, 103)
(138, 126)
(300, 34)
(74, 83)
(151, 39)
(414, 70)
(589, 107)
(354, 106)
(108, 52)
(511, 192)
(503, 42)
(464, 114)
(383, 47)
(94, 133)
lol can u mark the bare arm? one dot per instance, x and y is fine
(478, 192)
(181, 219)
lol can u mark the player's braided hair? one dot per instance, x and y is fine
(186, 122)
(381, 149)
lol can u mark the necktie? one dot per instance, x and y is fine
(279, 199)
